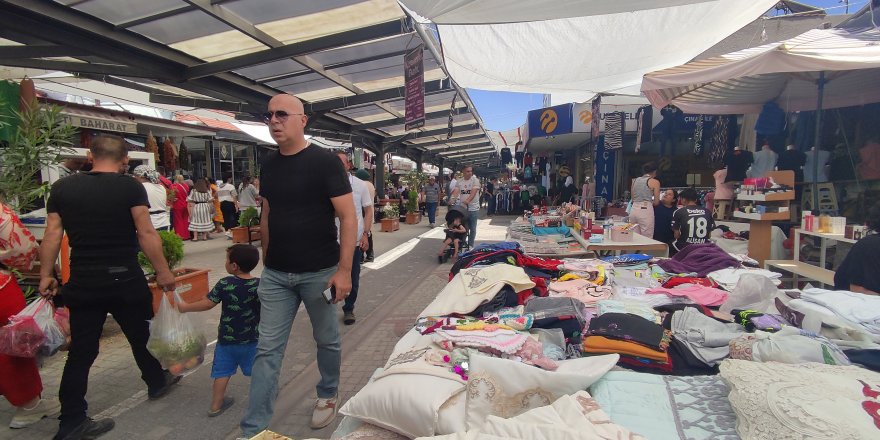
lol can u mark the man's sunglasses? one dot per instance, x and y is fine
(280, 114)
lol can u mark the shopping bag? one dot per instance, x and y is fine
(174, 340)
(32, 331)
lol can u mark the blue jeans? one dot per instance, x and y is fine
(472, 224)
(280, 294)
(348, 306)
(490, 208)
(431, 207)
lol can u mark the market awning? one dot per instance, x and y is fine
(577, 47)
(784, 72)
(344, 58)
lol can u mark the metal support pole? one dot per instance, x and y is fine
(820, 85)
(380, 171)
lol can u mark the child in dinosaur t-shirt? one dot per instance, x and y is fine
(239, 319)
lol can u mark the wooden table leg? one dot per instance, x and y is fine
(759, 240)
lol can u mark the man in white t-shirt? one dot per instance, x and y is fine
(228, 197)
(363, 207)
(468, 189)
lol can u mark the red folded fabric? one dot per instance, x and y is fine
(676, 281)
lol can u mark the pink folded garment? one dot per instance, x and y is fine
(706, 296)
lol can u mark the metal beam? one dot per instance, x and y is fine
(387, 108)
(372, 97)
(237, 22)
(38, 51)
(241, 107)
(468, 153)
(64, 26)
(444, 131)
(443, 143)
(398, 121)
(71, 66)
(368, 33)
(157, 16)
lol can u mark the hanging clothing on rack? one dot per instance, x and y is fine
(718, 145)
(644, 120)
(506, 157)
(698, 136)
(614, 130)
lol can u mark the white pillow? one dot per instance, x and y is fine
(474, 286)
(507, 388)
(452, 417)
(404, 403)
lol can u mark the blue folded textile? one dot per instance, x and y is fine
(562, 230)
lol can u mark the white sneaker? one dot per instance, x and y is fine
(26, 417)
(324, 413)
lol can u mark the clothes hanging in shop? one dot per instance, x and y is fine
(764, 162)
(771, 121)
(809, 175)
(737, 163)
(506, 157)
(719, 143)
(614, 130)
(698, 136)
(792, 160)
(644, 123)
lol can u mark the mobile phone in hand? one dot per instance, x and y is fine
(330, 294)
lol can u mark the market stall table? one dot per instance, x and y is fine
(639, 243)
(547, 246)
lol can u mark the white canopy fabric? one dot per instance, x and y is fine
(577, 47)
(784, 72)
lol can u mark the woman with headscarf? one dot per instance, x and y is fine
(218, 214)
(156, 195)
(179, 210)
(201, 210)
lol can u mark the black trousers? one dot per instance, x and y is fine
(130, 302)
(370, 242)
(352, 297)
(230, 219)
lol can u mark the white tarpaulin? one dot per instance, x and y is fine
(785, 72)
(577, 47)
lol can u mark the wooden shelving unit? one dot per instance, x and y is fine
(761, 224)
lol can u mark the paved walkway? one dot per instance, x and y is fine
(394, 288)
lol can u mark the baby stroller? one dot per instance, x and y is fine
(456, 212)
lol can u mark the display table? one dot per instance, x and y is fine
(548, 246)
(639, 243)
(801, 268)
(777, 238)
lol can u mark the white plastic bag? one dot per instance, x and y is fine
(752, 292)
(32, 331)
(174, 340)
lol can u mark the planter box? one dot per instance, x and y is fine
(191, 284)
(240, 234)
(390, 224)
(413, 218)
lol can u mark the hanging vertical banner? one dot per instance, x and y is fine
(449, 133)
(594, 123)
(414, 79)
(605, 170)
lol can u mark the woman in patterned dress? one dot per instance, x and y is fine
(201, 210)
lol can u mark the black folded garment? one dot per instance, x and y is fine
(631, 328)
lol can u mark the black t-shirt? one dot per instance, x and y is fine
(663, 222)
(737, 163)
(860, 267)
(793, 160)
(695, 225)
(95, 209)
(490, 189)
(302, 230)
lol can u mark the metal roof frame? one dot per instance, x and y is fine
(66, 35)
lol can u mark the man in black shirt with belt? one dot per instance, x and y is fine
(107, 219)
(303, 187)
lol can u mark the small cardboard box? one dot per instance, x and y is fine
(621, 234)
(269, 435)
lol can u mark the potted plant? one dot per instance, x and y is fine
(40, 141)
(413, 215)
(390, 217)
(248, 228)
(191, 284)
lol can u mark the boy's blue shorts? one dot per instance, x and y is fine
(229, 357)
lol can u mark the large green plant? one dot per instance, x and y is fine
(249, 217)
(172, 249)
(41, 140)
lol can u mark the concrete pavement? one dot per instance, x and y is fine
(394, 288)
